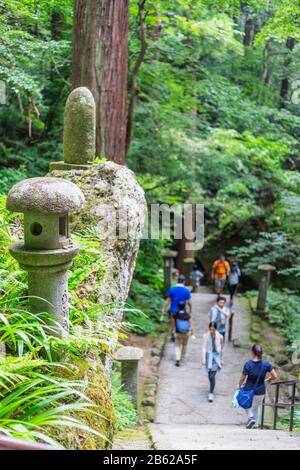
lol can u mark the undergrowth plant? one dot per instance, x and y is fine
(35, 395)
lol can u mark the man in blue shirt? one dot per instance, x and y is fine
(175, 295)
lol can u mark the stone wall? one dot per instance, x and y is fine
(111, 185)
(106, 185)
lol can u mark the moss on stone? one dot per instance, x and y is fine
(101, 420)
(105, 184)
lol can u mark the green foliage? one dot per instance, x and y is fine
(276, 248)
(283, 310)
(125, 411)
(145, 301)
(36, 396)
(213, 124)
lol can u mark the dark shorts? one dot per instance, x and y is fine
(219, 283)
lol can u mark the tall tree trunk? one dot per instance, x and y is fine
(134, 73)
(285, 82)
(249, 32)
(100, 62)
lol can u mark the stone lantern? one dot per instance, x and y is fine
(47, 250)
(168, 256)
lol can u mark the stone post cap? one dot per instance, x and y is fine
(266, 267)
(169, 254)
(129, 353)
(80, 127)
(46, 196)
(189, 260)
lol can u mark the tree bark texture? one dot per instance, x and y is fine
(285, 82)
(100, 62)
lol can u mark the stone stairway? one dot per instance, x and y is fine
(184, 418)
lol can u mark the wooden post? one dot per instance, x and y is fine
(263, 413)
(169, 257)
(293, 408)
(230, 327)
(7, 443)
(276, 407)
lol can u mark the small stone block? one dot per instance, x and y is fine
(266, 267)
(236, 343)
(129, 353)
(67, 166)
(169, 254)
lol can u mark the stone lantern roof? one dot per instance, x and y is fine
(46, 196)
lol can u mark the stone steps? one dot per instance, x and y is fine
(218, 437)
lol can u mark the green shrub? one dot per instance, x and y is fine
(143, 309)
(126, 415)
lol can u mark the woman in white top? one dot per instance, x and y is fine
(212, 356)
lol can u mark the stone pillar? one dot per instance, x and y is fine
(47, 250)
(129, 358)
(265, 276)
(79, 131)
(168, 256)
(2, 349)
(188, 268)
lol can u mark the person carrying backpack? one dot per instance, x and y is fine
(175, 295)
(219, 273)
(183, 327)
(212, 356)
(219, 314)
(252, 385)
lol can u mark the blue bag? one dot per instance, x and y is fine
(245, 397)
(182, 326)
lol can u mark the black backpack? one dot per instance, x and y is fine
(182, 313)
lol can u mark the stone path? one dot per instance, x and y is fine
(132, 439)
(184, 418)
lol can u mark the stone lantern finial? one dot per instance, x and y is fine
(79, 131)
(47, 251)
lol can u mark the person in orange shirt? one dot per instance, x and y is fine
(219, 273)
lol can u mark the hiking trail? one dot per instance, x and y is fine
(184, 418)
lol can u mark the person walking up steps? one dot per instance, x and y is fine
(253, 379)
(234, 277)
(183, 327)
(219, 273)
(212, 356)
(219, 314)
(175, 295)
(195, 276)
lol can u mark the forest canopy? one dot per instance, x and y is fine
(213, 102)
